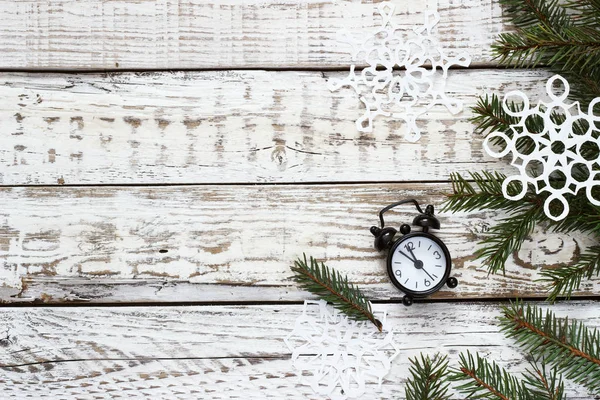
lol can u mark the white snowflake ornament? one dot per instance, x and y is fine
(405, 76)
(336, 356)
(557, 148)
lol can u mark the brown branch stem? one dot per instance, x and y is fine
(346, 300)
(522, 324)
(481, 383)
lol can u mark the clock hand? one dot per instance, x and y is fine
(406, 255)
(413, 254)
(427, 273)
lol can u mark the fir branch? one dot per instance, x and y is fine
(570, 346)
(525, 13)
(490, 115)
(575, 48)
(543, 384)
(334, 288)
(481, 379)
(564, 280)
(586, 12)
(507, 237)
(583, 216)
(484, 193)
(586, 85)
(558, 348)
(563, 35)
(427, 380)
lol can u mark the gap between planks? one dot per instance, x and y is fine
(246, 303)
(216, 184)
(323, 69)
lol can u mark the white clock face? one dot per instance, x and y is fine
(418, 263)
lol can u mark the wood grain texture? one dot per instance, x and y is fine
(230, 243)
(177, 34)
(222, 352)
(229, 127)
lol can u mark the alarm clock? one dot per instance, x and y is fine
(418, 262)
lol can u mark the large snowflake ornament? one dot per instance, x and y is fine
(332, 352)
(405, 75)
(558, 150)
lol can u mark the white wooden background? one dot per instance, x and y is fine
(163, 162)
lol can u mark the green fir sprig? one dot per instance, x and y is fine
(427, 378)
(557, 347)
(569, 345)
(566, 279)
(483, 191)
(544, 383)
(331, 286)
(478, 378)
(563, 36)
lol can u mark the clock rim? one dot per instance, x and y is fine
(412, 293)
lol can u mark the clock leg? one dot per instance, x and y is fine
(452, 282)
(407, 301)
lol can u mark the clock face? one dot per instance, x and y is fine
(419, 264)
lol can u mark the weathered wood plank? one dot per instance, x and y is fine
(228, 127)
(149, 34)
(104, 244)
(222, 352)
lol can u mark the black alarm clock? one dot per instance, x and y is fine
(418, 263)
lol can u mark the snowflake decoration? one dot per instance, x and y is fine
(330, 351)
(402, 94)
(557, 149)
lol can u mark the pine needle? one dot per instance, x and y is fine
(331, 286)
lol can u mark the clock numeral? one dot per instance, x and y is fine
(406, 281)
(429, 247)
(398, 273)
(437, 255)
(416, 285)
(409, 246)
(427, 283)
(439, 266)
(419, 243)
